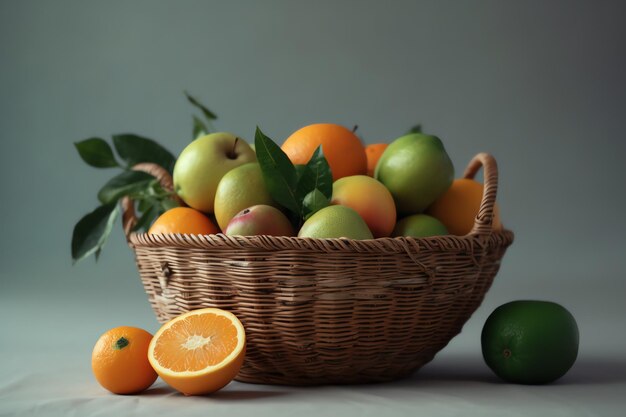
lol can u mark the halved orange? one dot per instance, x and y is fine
(199, 352)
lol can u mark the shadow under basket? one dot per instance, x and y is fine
(328, 311)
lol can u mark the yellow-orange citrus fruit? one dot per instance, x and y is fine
(370, 198)
(199, 352)
(184, 220)
(373, 153)
(240, 188)
(342, 148)
(336, 222)
(120, 360)
(458, 206)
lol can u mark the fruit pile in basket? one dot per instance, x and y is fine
(323, 182)
(317, 186)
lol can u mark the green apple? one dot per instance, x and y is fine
(240, 188)
(417, 170)
(203, 163)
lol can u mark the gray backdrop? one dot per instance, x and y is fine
(538, 84)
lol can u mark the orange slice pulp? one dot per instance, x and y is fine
(199, 352)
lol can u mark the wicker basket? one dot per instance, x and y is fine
(328, 311)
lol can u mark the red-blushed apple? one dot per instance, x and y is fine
(260, 219)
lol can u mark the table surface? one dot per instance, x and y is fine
(450, 385)
(45, 351)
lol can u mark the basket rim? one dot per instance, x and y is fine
(471, 241)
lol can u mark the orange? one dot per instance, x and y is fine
(458, 206)
(370, 198)
(199, 352)
(183, 220)
(120, 360)
(342, 148)
(373, 153)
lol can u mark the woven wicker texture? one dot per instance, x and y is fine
(328, 311)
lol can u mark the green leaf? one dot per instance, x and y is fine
(313, 202)
(279, 173)
(317, 175)
(126, 183)
(135, 149)
(169, 203)
(143, 204)
(96, 152)
(91, 232)
(415, 129)
(199, 128)
(148, 216)
(207, 113)
(300, 170)
(295, 219)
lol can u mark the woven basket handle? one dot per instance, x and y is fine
(129, 218)
(484, 218)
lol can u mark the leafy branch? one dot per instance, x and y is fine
(301, 189)
(151, 200)
(92, 230)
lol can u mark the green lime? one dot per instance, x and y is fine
(530, 342)
(419, 225)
